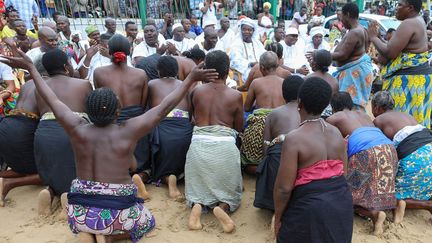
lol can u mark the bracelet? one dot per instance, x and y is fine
(295, 70)
(86, 67)
(6, 91)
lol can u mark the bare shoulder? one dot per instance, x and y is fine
(334, 131)
(335, 118)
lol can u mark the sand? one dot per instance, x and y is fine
(19, 222)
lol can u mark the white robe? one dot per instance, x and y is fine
(242, 54)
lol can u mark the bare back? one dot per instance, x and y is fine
(72, 92)
(282, 120)
(217, 104)
(93, 144)
(327, 144)
(328, 78)
(392, 122)
(27, 98)
(128, 83)
(185, 66)
(160, 88)
(347, 121)
(256, 73)
(266, 92)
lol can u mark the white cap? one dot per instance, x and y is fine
(177, 25)
(292, 31)
(209, 22)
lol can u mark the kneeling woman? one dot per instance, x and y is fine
(103, 199)
(312, 199)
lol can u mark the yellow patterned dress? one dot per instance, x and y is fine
(408, 79)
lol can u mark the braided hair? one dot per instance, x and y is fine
(102, 106)
(276, 48)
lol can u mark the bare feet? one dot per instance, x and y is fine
(227, 223)
(379, 223)
(399, 212)
(272, 227)
(85, 238)
(2, 192)
(173, 191)
(142, 191)
(195, 218)
(44, 202)
(63, 212)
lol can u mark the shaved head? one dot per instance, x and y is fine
(47, 38)
(63, 18)
(46, 32)
(50, 24)
(150, 21)
(109, 20)
(268, 61)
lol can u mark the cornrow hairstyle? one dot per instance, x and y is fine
(101, 105)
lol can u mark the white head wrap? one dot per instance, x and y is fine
(248, 22)
(177, 25)
(315, 31)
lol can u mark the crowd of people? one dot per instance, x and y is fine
(95, 119)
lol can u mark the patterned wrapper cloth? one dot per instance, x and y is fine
(253, 137)
(371, 173)
(408, 79)
(356, 78)
(136, 219)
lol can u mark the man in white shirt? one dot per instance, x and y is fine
(150, 45)
(179, 43)
(226, 35)
(209, 8)
(294, 53)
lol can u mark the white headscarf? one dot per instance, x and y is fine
(248, 22)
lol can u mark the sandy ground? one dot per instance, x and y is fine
(20, 223)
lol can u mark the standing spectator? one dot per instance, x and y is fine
(209, 8)
(79, 8)
(131, 34)
(301, 17)
(26, 9)
(232, 9)
(47, 7)
(247, 7)
(195, 27)
(165, 28)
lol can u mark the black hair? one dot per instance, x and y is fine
(167, 67)
(218, 60)
(384, 100)
(417, 4)
(291, 86)
(323, 60)
(56, 14)
(390, 30)
(341, 100)
(315, 95)
(54, 61)
(17, 20)
(194, 54)
(276, 48)
(9, 10)
(129, 23)
(101, 105)
(106, 36)
(351, 9)
(119, 43)
(149, 65)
